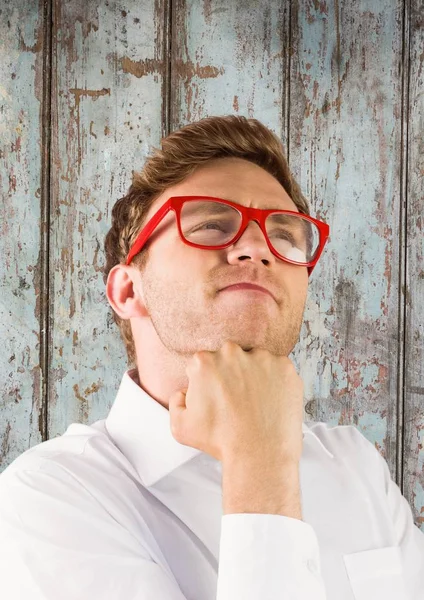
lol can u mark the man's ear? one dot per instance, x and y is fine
(123, 288)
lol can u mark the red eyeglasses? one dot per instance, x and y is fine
(214, 223)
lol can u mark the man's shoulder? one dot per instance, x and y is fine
(84, 457)
(345, 442)
(79, 472)
(70, 495)
(71, 443)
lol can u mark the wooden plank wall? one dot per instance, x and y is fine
(87, 88)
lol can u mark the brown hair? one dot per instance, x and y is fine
(180, 154)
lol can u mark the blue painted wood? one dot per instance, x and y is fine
(346, 142)
(231, 57)
(107, 80)
(414, 289)
(21, 42)
(346, 149)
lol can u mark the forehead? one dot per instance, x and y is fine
(233, 179)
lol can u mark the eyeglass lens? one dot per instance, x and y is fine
(212, 223)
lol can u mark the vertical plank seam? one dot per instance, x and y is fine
(403, 242)
(45, 215)
(167, 77)
(287, 83)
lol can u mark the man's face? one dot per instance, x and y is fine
(182, 285)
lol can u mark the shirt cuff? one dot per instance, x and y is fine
(271, 557)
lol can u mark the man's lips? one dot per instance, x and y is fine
(248, 286)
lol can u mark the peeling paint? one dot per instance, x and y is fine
(94, 388)
(140, 68)
(84, 93)
(78, 93)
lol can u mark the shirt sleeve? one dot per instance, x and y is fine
(268, 556)
(55, 542)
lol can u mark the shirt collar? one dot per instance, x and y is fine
(140, 428)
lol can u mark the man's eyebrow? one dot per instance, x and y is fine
(266, 208)
(285, 218)
(215, 207)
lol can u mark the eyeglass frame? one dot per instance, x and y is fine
(248, 214)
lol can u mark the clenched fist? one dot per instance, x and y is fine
(240, 406)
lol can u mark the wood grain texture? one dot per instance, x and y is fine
(414, 289)
(345, 146)
(107, 110)
(21, 62)
(230, 58)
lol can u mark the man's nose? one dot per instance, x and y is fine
(252, 244)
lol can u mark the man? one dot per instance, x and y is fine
(203, 482)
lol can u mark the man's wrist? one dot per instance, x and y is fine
(262, 487)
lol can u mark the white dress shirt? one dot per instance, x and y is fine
(119, 510)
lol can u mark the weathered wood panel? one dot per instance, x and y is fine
(414, 347)
(21, 264)
(107, 90)
(345, 148)
(230, 57)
